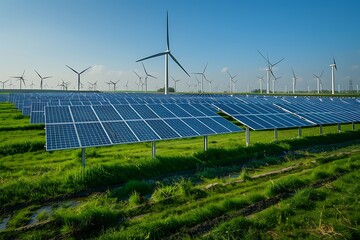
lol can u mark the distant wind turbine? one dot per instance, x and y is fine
(127, 85)
(167, 53)
(202, 74)
(21, 79)
(78, 73)
(274, 80)
(175, 81)
(11, 84)
(261, 79)
(32, 84)
(333, 66)
(231, 81)
(114, 83)
(146, 76)
(3, 83)
(294, 80)
(318, 80)
(41, 79)
(140, 83)
(269, 70)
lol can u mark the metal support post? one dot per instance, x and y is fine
(339, 128)
(321, 129)
(83, 157)
(247, 132)
(275, 134)
(153, 149)
(206, 143)
(300, 132)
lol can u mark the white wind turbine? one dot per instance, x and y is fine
(231, 81)
(167, 53)
(41, 79)
(202, 74)
(333, 66)
(274, 80)
(140, 83)
(294, 80)
(21, 79)
(318, 80)
(146, 76)
(269, 70)
(114, 83)
(78, 73)
(3, 83)
(261, 79)
(175, 81)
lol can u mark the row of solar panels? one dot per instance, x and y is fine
(88, 126)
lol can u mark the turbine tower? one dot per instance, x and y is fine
(167, 53)
(202, 74)
(78, 73)
(333, 66)
(261, 79)
(231, 81)
(269, 70)
(318, 81)
(146, 76)
(294, 80)
(21, 79)
(41, 79)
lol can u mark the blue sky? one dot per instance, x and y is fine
(111, 35)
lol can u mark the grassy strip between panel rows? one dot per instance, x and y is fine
(25, 190)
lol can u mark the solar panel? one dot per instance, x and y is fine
(143, 132)
(213, 125)
(37, 117)
(59, 114)
(61, 136)
(119, 132)
(144, 111)
(176, 110)
(198, 126)
(162, 129)
(161, 111)
(107, 113)
(182, 128)
(127, 112)
(83, 114)
(92, 134)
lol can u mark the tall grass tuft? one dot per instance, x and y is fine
(15, 148)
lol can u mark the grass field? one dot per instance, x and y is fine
(185, 192)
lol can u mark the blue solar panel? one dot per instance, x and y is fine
(176, 110)
(162, 129)
(58, 114)
(37, 117)
(198, 126)
(207, 109)
(107, 113)
(143, 131)
(38, 106)
(190, 109)
(119, 132)
(181, 128)
(61, 136)
(227, 124)
(161, 111)
(216, 127)
(126, 112)
(92, 134)
(83, 114)
(144, 112)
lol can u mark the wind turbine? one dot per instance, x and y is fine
(231, 81)
(274, 80)
(108, 83)
(318, 81)
(294, 80)
(11, 84)
(114, 83)
(198, 82)
(269, 70)
(261, 79)
(3, 83)
(333, 66)
(175, 81)
(146, 76)
(189, 86)
(41, 79)
(202, 74)
(127, 85)
(78, 73)
(140, 83)
(21, 79)
(167, 53)
(210, 83)
(32, 84)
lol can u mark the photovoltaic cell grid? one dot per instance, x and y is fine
(118, 124)
(262, 116)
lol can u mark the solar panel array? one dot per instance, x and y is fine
(88, 126)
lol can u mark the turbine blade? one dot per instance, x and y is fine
(144, 68)
(24, 72)
(321, 73)
(293, 72)
(264, 57)
(229, 74)
(335, 64)
(272, 74)
(167, 31)
(72, 69)
(152, 76)
(152, 56)
(137, 74)
(173, 58)
(38, 74)
(47, 77)
(85, 70)
(205, 68)
(277, 62)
